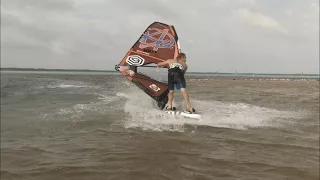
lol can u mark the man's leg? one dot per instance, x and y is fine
(185, 95)
(171, 91)
(170, 98)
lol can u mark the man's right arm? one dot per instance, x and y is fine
(160, 64)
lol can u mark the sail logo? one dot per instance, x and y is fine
(135, 60)
(154, 87)
(156, 38)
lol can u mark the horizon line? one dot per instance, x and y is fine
(94, 70)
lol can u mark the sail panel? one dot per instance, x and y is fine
(158, 43)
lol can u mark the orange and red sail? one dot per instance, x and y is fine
(159, 42)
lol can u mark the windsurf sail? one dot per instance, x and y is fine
(158, 43)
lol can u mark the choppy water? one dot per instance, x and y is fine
(73, 126)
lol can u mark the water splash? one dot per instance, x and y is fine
(142, 113)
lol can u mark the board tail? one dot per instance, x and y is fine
(158, 43)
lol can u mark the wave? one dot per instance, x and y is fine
(67, 86)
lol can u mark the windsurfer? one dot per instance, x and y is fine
(176, 71)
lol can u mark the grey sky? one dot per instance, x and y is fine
(266, 36)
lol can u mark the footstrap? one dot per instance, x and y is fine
(171, 109)
(193, 111)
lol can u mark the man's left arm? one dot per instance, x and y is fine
(185, 68)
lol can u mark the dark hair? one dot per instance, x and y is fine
(181, 55)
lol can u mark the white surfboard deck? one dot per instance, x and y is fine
(184, 114)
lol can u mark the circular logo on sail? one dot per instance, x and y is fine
(135, 60)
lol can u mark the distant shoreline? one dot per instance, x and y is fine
(108, 71)
(43, 69)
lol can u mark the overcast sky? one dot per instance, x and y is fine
(266, 36)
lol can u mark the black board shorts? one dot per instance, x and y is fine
(176, 79)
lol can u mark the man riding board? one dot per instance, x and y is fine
(176, 71)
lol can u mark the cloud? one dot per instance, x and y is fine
(51, 5)
(247, 35)
(259, 20)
